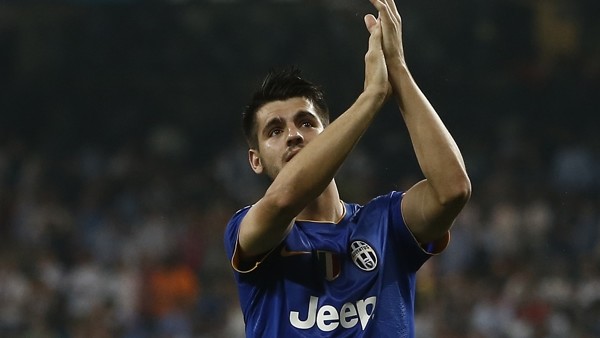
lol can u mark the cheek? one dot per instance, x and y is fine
(273, 144)
(312, 134)
(269, 150)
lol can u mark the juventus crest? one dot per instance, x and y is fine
(363, 255)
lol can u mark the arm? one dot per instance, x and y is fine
(430, 206)
(312, 169)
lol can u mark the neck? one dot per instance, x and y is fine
(325, 208)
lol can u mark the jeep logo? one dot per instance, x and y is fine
(328, 318)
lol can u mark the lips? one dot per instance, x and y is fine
(290, 153)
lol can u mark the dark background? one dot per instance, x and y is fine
(121, 157)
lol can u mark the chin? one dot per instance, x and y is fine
(272, 173)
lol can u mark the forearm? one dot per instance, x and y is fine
(309, 172)
(437, 153)
(305, 177)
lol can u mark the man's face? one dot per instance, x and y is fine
(283, 128)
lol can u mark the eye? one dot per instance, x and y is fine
(307, 124)
(274, 132)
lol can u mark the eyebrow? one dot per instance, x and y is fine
(271, 123)
(301, 114)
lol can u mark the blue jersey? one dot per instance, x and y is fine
(354, 278)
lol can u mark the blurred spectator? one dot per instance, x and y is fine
(15, 293)
(170, 294)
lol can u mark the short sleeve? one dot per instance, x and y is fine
(408, 244)
(231, 236)
(232, 246)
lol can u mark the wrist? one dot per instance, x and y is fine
(375, 95)
(397, 65)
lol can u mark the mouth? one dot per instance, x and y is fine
(290, 153)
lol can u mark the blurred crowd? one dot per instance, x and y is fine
(121, 160)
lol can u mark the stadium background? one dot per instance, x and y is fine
(121, 158)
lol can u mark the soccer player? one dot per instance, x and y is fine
(308, 264)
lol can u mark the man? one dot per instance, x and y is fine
(308, 264)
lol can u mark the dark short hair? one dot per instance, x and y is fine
(281, 85)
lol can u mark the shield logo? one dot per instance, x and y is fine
(330, 264)
(363, 255)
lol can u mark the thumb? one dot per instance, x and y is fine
(370, 22)
(374, 27)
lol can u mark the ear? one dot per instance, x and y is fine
(255, 162)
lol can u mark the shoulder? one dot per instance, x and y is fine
(238, 215)
(385, 201)
(382, 204)
(232, 228)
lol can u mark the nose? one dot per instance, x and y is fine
(294, 137)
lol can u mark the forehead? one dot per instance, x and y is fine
(284, 109)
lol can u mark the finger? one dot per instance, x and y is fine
(393, 12)
(370, 22)
(379, 5)
(386, 16)
(375, 38)
(392, 5)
